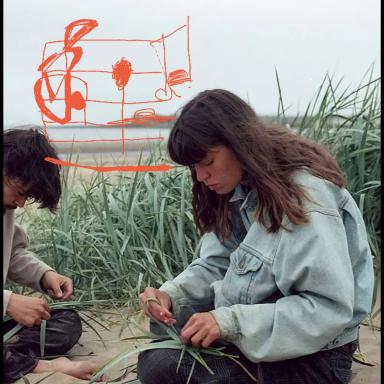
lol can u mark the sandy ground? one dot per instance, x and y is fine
(92, 347)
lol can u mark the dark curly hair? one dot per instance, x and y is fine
(24, 150)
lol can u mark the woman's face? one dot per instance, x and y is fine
(220, 170)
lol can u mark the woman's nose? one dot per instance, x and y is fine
(201, 174)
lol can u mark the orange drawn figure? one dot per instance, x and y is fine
(121, 72)
(66, 93)
(72, 100)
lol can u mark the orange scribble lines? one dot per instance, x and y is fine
(145, 73)
(121, 72)
(146, 117)
(103, 141)
(179, 76)
(72, 100)
(126, 168)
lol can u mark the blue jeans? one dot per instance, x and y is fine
(324, 367)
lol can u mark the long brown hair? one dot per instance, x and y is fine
(268, 154)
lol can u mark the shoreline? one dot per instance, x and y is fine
(107, 147)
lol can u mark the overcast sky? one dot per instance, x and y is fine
(234, 44)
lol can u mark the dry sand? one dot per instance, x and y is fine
(91, 346)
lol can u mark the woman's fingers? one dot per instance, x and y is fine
(156, 304)
(200, 330)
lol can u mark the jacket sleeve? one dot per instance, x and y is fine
(194, 284)
(24, 267)
(6, 296)
(316, 278)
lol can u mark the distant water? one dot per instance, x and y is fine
(91, 140)
(113, 133)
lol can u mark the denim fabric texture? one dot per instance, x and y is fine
(325, 367)
(279, 296)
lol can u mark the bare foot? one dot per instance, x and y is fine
(80, 369)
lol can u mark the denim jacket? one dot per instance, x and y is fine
(287, 294)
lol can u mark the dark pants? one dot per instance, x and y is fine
(22, 352)
(325, 367)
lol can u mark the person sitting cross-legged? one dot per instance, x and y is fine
(26, 175)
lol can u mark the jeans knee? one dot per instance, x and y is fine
(158, 364)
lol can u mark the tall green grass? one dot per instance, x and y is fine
(116, 233)
(347, 122)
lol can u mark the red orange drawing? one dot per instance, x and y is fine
(137, 76)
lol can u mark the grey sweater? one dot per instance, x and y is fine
(19, 265)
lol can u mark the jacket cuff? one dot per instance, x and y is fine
(39, 275)
(6, 295)
(172, 289)
(229, 328)
(176, 296)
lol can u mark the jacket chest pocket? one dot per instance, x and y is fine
(239, 284)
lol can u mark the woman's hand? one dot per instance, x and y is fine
(201, 330)
(156, 304)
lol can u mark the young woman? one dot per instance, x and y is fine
(285, 271)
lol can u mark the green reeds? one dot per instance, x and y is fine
(117, 233)
(348, 123)
(170, 340)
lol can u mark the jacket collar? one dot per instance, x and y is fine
(238, 194)
(249, 198)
